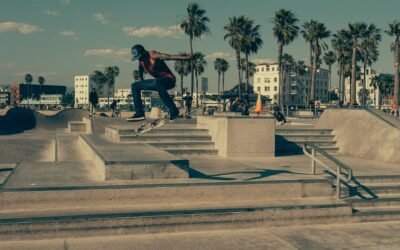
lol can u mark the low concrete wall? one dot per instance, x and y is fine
(362, 135)
(246, 137)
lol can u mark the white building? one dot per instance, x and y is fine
(82, 84)
(296, 89)
(372, 94)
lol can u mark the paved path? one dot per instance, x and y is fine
(377, 235)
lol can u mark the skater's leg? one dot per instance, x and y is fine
(163, 84)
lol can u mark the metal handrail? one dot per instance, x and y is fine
(339, 165)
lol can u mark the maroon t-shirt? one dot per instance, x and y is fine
(159, 69)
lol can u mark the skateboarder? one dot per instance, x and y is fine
(152, 63)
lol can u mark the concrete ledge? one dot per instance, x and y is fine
(133, 161)
(241, 136)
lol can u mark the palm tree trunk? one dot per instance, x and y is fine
(219, 83)
(364, 84)
(396, 72)
(330, 83)
(191, 66)
(197, 90)
(240, 77)
(353, 76)
(280, 94)
(247, 73)
(340, 82)
(313, 76)
(223, 82)
(108, 96)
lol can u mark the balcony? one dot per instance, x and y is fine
(293, 92)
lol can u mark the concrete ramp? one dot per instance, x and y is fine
(362, 134)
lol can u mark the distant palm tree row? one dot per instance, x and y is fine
(358, 43)
(106, 78)
(28, 81)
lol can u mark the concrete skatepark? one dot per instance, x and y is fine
(69, 179)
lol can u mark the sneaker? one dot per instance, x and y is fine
(173, 116)
(136, 117)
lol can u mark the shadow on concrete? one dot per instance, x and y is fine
(18, 120)
(262, 173)
(283, 147)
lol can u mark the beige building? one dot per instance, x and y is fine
(296, 88)
(372, 94)
(82, 86)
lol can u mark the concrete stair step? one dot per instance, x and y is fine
(165, 191)
(378, 179)
(310, 131)
(192, 151)
(306, 137)
(171, 137)
(182, 144)
(381, 201)
(133, 161)
(170, 218)
(372, 189)
(167, 131)
(391, 213)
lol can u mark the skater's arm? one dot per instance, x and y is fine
(158, 55)
(141, 70)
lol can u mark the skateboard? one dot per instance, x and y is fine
(146, 127)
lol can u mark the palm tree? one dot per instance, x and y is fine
(111, 73)
(308, 29)
(329, 59)
(375, 83)
(199, 64)
(252, 43)
(28, 81)
(41, 81)
(218, 68)
(316, 32)
(356, 31)
(99, 79)
(285, 31)
(342, 47)
(182, 67)
(287, 65)
(369, 52)
(236, 38)
(195, 26)
(394, 31)
(224, 68)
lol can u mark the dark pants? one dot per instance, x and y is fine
(188, 108)
(161, 85)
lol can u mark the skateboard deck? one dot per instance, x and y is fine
(146, 127)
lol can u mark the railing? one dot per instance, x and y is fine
(339, 165)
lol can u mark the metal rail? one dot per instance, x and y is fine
(310, 150)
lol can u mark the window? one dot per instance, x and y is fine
(275, 79)
(272, 69)
(266, 88)
(275, 88)
(266, 80)
(268, 68)
(262, 68)
(258, 80)
(257, 69)
(367, 72)
(258, 88)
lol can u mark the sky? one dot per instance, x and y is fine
(59, 39)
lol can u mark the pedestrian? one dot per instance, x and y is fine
(93, 100)
(188, 103)
(152, 63)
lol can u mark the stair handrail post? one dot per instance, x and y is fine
(313, 161)
(338, 184)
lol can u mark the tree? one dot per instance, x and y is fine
(110, 73)
(287, 65)
(182, 67)
(342, 47)
(252, 43)
(315, 32)
(307, 30)
(224, 68)
(199, 64)
(195, 26)
(394, 31)
(330, 59)
(28, 81)
(369, 52)
(235, 34)
(41, 81)
(218, 68)
(285, 31)
(356, 31)
(99, 79)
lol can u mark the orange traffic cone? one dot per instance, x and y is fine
(259, 106)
